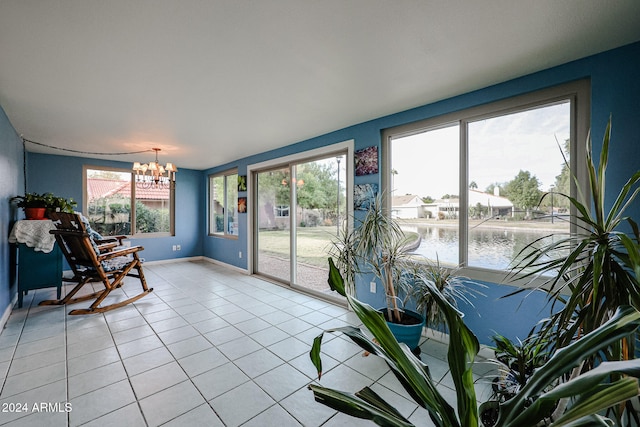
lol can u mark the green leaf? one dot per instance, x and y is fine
(410, 371)
(625, 321)
(336, 283)
(607, 396)
(353, 405)
(593, 420)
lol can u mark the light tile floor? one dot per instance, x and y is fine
(209, 347)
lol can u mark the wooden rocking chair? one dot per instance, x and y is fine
(109, 264)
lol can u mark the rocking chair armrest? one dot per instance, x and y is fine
(119, 252)
(110, 239)
(106, 246)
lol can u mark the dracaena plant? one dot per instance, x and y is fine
(595, 270)
(377, 245)
(586, 393)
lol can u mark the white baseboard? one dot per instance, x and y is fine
(173, 260)
(7, 312)
(224, 264)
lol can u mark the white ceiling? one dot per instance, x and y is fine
(212, 81)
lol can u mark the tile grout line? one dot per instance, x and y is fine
(233, 362)
(177, 361)
(15, 349)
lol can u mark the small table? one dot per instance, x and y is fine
(39, 257)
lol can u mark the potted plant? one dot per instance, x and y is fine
(59, 204)
(377, 245)
(36, 205)
(587, 393)
(516, 362)
(452, 286)
(595, 270)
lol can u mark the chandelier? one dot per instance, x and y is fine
(154, 175)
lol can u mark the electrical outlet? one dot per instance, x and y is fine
(240, 254)
(178, 247)
(372, 287)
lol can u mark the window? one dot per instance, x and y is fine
(223, 204)
(479, 176)
(108, 197)
(282, 210)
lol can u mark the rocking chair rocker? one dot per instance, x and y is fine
(93, 263)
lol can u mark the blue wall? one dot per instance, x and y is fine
(11, 184)
(62, 176)
(615, 91)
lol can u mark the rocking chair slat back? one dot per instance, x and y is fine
(73, 239)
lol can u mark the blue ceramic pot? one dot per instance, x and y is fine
(408, 334)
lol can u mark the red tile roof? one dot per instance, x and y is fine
(99, 187)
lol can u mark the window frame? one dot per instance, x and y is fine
(172, 201)
(577, 92)
(211, 227)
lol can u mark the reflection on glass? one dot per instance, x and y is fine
(224, 204)
(491, 248)
(513, 161)
(231, 213)
(272, 242)
(217, 204)
(109, 201)
(153, 210)
(320, 204)
(425, 182)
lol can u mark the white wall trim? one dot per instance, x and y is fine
(224, 264)
(173, 260)
(7, 312)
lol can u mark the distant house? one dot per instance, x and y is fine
(495, 205)
(483, 205)
(408, 206)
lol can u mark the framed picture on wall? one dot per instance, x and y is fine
(363, 196)
(242, 182)
(366, 161)
(242, 205)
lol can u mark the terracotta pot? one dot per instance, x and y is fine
(35, 213)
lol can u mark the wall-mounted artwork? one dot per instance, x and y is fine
(242, 205)
(366, 161)
(242, 182)
(363, 196)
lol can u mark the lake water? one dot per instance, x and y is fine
(492, 248)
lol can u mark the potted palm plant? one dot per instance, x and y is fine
(377, 245)
(452, 286)
(593, 271)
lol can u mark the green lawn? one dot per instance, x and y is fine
(313, 243)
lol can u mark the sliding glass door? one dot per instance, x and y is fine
(300, 208)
